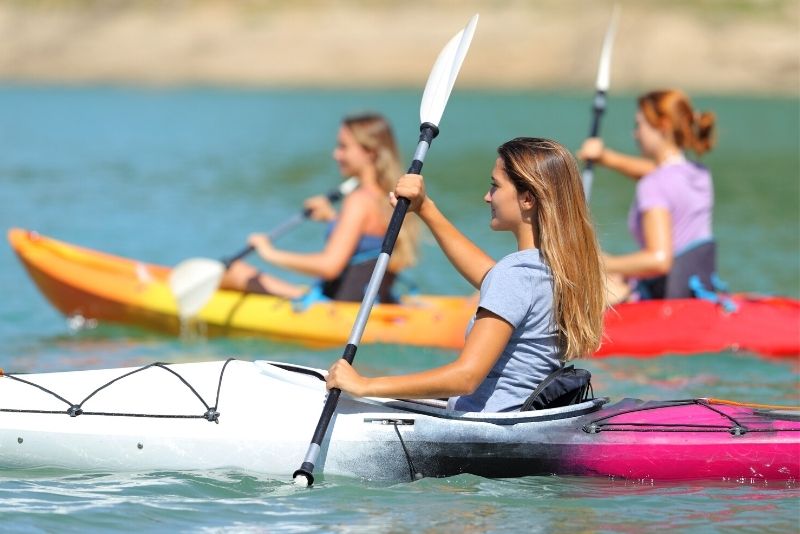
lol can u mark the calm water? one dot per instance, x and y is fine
(166, 175)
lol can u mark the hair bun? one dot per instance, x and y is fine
(705, 138)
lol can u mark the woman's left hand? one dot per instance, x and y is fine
(262, 244)
(342, 375)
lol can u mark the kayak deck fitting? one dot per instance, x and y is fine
(259, 416)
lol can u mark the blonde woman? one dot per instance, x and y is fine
(539, 306)
(671, 214)
(365, 149)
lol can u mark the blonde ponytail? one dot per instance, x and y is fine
(373, 132)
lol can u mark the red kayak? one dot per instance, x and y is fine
(765, 325)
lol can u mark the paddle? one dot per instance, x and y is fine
(195, 280)
(599, 105)
(434, 99)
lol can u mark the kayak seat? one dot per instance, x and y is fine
(563, 387)
(698, 260)
(351, 284)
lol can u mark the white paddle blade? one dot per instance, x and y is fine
(444, 73)
(193, 282)
(348, 186)
(604, 69)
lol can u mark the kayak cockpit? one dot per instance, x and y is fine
(301, 375)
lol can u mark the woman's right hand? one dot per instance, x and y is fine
(592, 149)
(262, 245)
(412, 187)
(342, 375)
(319, 208)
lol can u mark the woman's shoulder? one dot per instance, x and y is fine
(661, 177)
(698, 168)
(665, 177)
(682, 168)
(525, 263)
(359, 200)
(358, 196)
(521, 278)
(522, 257)
(368, 198)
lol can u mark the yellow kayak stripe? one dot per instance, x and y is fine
(751, 404)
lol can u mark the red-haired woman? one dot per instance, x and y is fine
(671, 214)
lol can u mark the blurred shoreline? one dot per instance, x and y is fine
(708, 46)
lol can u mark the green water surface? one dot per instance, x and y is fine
(162, 175)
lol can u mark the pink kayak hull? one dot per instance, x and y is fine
(693, 441)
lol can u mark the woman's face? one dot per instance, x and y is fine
(648, 137)
(351, 157)
(505, 201)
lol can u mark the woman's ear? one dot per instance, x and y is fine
(665, 127)
(527, 200)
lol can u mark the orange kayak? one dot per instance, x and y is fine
(95, 285)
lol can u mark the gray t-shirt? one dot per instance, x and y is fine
(519, 288)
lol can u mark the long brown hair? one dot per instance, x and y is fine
(567, 241)
(670, 110)
(373, 132)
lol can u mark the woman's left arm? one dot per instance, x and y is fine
(484, 344)
(655, 259)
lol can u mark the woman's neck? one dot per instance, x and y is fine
(669, 154)
(369, 180)
(527, 236)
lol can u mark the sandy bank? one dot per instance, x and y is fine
(706, 45)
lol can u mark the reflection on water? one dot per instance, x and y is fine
(76, 323)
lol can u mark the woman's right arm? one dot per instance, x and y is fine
(319, 208)
(483, 346)
(466, 257)
(594, 149)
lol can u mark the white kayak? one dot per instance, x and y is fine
(259, 416)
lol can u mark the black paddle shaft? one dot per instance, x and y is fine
(428, 132)
(334, 195)
(598, 108)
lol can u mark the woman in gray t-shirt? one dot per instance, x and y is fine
(539, 306)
